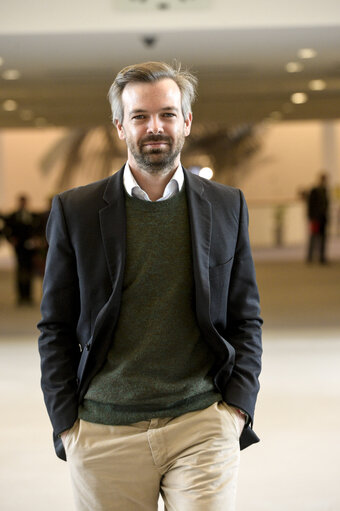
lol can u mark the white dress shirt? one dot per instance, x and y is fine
(134, 190)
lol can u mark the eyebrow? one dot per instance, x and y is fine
(141, 111)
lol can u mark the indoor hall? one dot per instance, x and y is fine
(267, 121)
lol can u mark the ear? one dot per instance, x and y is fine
(187, 124)
(120, 130)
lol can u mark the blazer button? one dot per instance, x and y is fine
(88, 346)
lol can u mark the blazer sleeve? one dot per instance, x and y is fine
(58, 345)
(244, 323)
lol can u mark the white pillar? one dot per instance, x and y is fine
(331, 166)
(329, 152)
(2, 179)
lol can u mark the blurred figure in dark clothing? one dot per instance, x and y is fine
(318, 204)
(2, 226)
(20, 231)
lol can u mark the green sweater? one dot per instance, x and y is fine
(158, 364)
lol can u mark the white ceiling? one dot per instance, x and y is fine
(68, 54)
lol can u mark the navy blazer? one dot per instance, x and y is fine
(83, 287)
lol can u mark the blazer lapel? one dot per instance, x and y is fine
(200, 224)
(113, 227)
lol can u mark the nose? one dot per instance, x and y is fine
(155, 125)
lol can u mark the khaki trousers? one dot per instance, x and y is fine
(192, 460)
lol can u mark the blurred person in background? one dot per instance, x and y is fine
(20, 232)
(317, 210)
(2, 226)
(150, 338)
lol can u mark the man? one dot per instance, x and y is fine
(150, 333)
(318, 204)
(20, 232)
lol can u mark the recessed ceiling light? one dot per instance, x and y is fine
(294, 67)
(306, 53)
(276, 115)
(11, 74)
(298, 98)
(26, 115)
(9, 105)
(287, 108)
(40, 122)
(317, 84)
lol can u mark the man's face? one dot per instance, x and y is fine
(153, 126)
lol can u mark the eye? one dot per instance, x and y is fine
(169, 114)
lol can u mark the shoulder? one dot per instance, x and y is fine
(93, 195)
(80, 203)
(84, 193)
(215, 192)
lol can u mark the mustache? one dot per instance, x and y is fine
(156, 138)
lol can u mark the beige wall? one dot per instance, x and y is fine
(20, 153)
(290, 159)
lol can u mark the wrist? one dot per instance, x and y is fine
(242, 414)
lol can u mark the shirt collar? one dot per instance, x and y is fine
(134, 190)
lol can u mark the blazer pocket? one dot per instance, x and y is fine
(67, 436)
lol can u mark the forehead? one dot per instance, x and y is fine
(151, 95)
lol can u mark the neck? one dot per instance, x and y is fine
(153, 184)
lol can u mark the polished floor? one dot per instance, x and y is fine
(296, 465)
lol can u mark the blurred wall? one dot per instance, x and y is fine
(21, 152)
(289, 162)
(290, 159)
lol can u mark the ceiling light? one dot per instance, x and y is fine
(11, 74)
(287, 108)
(317, 85)
(298, 98)
(294, 67)
(306, 53)
(40, 122)
(206, 172)
(276, 115)
(26, 115)
(9, 105)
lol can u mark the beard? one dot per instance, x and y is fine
(156, 160)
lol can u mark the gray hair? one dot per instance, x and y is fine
(152, 72)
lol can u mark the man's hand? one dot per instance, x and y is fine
(241, 419)
(63, 435)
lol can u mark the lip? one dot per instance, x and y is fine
(156, 143)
